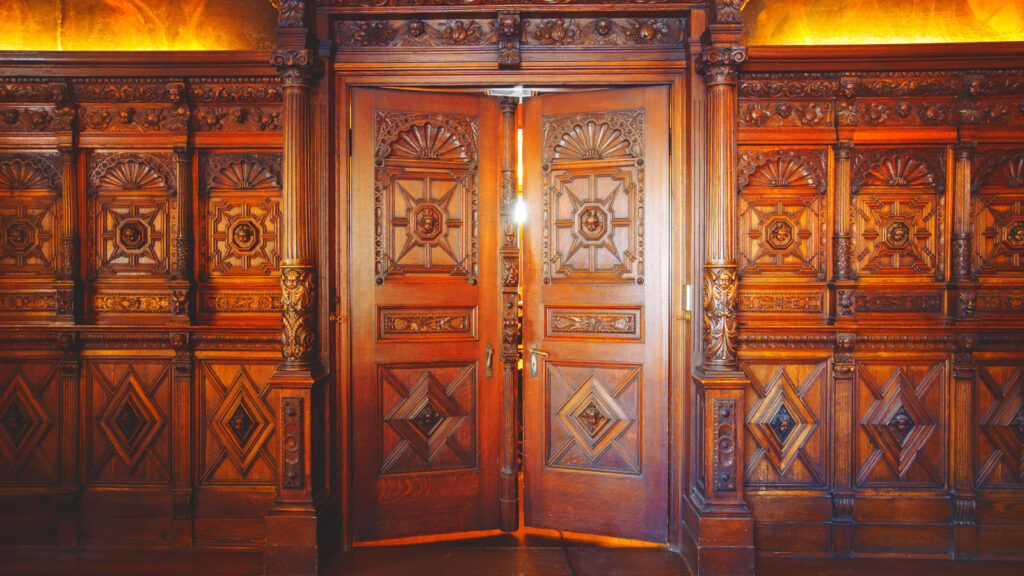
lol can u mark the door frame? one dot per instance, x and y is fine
(685, 254)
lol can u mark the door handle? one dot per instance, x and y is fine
(489, 361)
(534, 352)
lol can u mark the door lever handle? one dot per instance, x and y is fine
(489, 361)
(534, 353)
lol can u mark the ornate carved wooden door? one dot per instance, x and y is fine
(425, 407)
(595, 394)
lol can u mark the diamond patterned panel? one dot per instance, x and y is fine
(131, 421)
(242, 422)
(429, 417)
(782, 422)
(594, 422)
(900, 423)
(23, 420)
(1002, 424)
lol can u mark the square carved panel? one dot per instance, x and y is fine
(782, 220)
(998, 212)
(899, 213)
(29, 413)
(29, 187)
(1000, 418)
(241, 224)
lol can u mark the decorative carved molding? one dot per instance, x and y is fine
(241, 302)
(593, 323)
(427, 322)
(298, 300)
(842, 254)
(876, 302)
(132, 303)
(1001, 302)
(293, 466)
(785, 341)
(509, 327)
(786, 302)
(724, 442)
(720, 299)
(242, 90)
(28, 302)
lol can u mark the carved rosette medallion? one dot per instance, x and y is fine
(720, 303)
(1015, 235)
(779, 234)
(897, 235)
(298, 300)
(720, 64)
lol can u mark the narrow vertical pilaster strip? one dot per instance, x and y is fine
(68, 286)
(182, 489)
(70, 369)
(962, 211)
(508, 267)
(842, 242)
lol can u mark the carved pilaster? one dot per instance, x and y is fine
(183, 289)
(962, 212)
(510, 33)
(68, 287)
(182, 528)
(964, 531)
(68, 491)
(509, 267)
(843, 369)
(842, 242)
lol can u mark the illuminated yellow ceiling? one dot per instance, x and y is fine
(136, 24)
(826, 22)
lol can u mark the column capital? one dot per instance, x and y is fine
(297, 66)
(720, 63)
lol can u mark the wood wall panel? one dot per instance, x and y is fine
(29, 423)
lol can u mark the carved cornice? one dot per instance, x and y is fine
(785, 341)
(721, 64)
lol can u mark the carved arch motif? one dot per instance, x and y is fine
(1002, 168)
(132, 171)
(241, 171)
(29, 172)
(594, 136)
(422, 135)
(910, 167)
(783, 168)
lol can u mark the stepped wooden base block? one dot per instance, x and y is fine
(291, 542)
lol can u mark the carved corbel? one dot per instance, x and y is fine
(510, 31)
(729, 11)
(291, 13)
(297, 66)
(64, 113)
(847, 113)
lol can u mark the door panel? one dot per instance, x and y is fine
(426, 416)
(594, 294)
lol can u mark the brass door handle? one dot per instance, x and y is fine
(489, 361)
(337, 318)
(534, 353)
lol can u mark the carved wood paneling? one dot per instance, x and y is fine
(426, 221)
(239, 441)
(594, 416)
(127, 407)
(899, 216)
(433, 323)
(998, 212)
(428, 416)
(787, 423)
(131, 214)
(29, 210)
(1000, 426)
(594, 323)
(593, 197)
(782, 213)
(29, 422)
(901, 427)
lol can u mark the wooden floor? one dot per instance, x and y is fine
(448, 559)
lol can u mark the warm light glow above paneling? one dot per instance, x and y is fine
(826, 22)
(136, 24)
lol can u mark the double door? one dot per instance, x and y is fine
(433, 404)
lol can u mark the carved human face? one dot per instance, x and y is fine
(603, 27)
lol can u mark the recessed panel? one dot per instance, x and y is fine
(593, 323)
(426, 323)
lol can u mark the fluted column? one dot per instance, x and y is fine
(509, 318)
(966, 295)
(293, 522)
(725, 536)
(720, 69)
(298, 270)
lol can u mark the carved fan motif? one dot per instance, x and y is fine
(1010, 174)
(244, 175)
(592, 141)
(131, 175)
(781, 172)
(20, 174)
(899, 171)
(429, 142)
